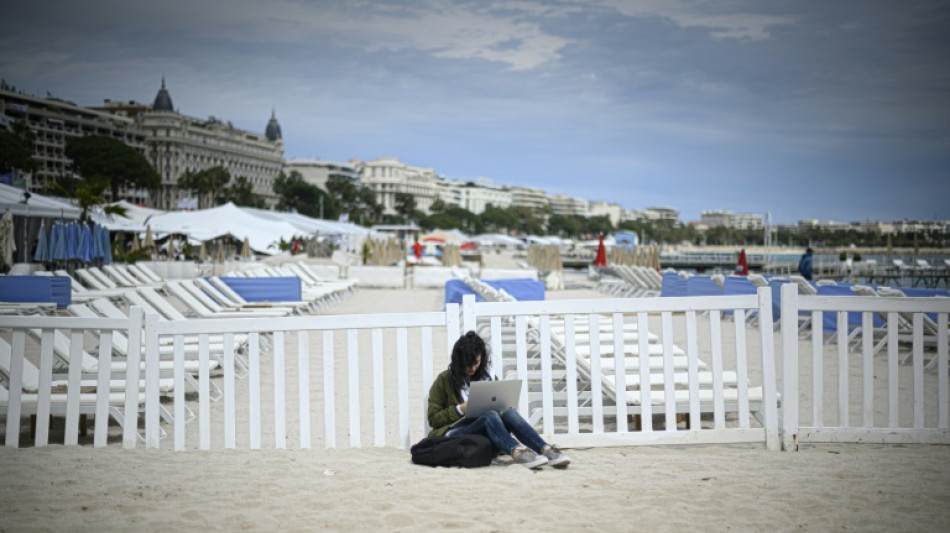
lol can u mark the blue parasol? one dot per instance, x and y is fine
(57, 242)
(41, 255)
(72, 240)
(86, 248)
(106, 244)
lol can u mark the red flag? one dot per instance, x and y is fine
(742, 266)
(601, 260)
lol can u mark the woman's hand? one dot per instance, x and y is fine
(463, 406)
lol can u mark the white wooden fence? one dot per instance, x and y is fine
(611, 404)
(576, 401)
(913, 414)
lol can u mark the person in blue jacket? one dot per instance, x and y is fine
(804, 264)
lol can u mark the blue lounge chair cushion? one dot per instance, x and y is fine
(267, 289)
(39, 289)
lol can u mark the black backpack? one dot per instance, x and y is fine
(468, 451)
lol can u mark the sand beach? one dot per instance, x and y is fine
(708, 488)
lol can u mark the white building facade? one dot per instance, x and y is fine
(728, 219)
(387, 176)
(318, 171)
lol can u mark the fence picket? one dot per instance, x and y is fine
(178, 356)
(379, 407)
(72, 393)
(844, 400)
(303, 384)
(715, 333)
(46, 377)
(204, 392)
(153, 429)
(280, 396)
(353, 369)
(132, 372)
(402, 387)
(14, 402)
(570, 362)
(329, 404)
(254, 389)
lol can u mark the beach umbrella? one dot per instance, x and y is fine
(149, 241)
(742, 266)
(601, 260)
(41, 254)
(86, 249)
(72, 240)
(246, 251)
(136, 245)
(101, 235)
(58, 242)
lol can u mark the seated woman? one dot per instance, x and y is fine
(448, 399)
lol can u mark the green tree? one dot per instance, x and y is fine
(305, 198)
(87, 193)
(498, 220)
(16, 149)
(527, 220)
(405, 205)
(438, 206)
(358, 202)
(208, 183)
(241, 192)
(98, 157)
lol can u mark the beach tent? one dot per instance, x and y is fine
(228, 219)
(14, 200)
(496, 239)
(310, 225)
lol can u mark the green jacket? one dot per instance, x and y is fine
(442, 401)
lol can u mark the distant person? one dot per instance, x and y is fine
(417, 250)
(448, 399)
(804, 264)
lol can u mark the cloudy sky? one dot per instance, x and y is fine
(804, 109)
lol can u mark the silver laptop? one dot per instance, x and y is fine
(492, 395)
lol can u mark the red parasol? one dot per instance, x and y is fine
(601, 260)
(468, 246)
(742, 266)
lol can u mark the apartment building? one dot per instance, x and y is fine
(319, 171)
(52, 121)
(387, 176)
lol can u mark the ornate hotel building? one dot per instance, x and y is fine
(177, 143)
(52, 121)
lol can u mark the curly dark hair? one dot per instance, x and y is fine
(467, 349)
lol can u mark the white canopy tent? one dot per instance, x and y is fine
(14, 200)
(496, 239)
(137, 213)
(228, 219)
(312, 225)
